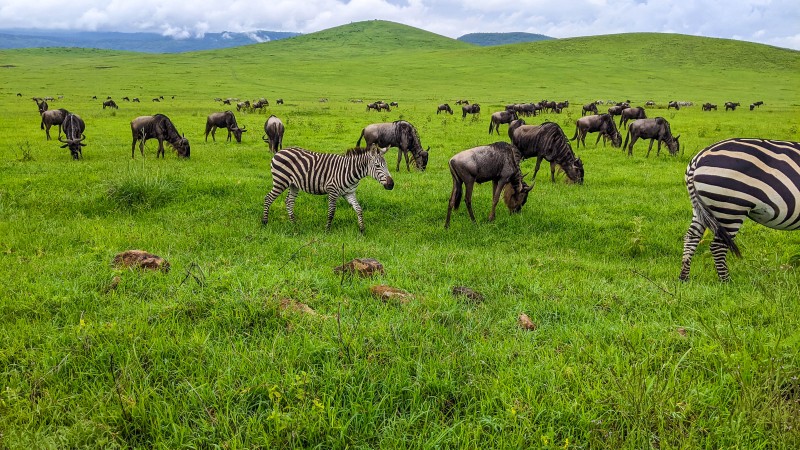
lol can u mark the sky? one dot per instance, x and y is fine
(773, 22)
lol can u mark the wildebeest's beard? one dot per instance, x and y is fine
(515, 196)
(421, 159)
(182, 147)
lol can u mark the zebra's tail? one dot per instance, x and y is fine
(358, 144)
(706, 217)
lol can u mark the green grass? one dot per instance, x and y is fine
(624, 356)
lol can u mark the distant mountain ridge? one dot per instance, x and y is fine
(490, 39)
(137, 42)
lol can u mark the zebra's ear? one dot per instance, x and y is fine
(383, 150)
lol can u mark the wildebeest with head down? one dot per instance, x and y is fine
(400, 134)
(470, 109)
(589, 107)
(673, 104)
(602, 123)
(273, 133)
(653, 129)
(73, 127)
(110, 104)
(226, 120)
(616, 110)
(161, 128)
(444, 107)
(631, 114)
(52, 117)
(498, 163)
(546, 141)
(501, 117)
(709, 107)
(731, 106)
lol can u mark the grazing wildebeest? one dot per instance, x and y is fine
(126, 99)
(462, 102)
(377, 106)
(501, 117)
(73, 127)
(602, 123)
(110, 104)
(616, 110)
(498, 163)
(156, 99)
(731, 106)
(158, 127)
(279, 101)
(653, 129)
(546, 141)
(709, 107)
(243, 105)
(53, 117)
(328, 174)
(259, 104)
(273, 133)
(227, 101)
(527, 109)
(673, 104)
(631, 114)
(394, 104)
(758, 103)
(400, 134)
(135, 100)
(470, 109)
(226, 120)
(589, 107)
(444, 107)
(650, 103)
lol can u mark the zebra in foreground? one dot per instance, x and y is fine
(739, 178)
(298, 169)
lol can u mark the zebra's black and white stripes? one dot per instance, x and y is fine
(738, 178)
(337, 176)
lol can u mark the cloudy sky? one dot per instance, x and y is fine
(774, 22)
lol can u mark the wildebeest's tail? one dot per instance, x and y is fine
(358, 144)
(491, 126)
(706, 217)
(627, 136)
(457, 182)
(576, 134)
(41, 124)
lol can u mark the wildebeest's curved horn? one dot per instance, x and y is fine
(83, 136)
(60, 139)
(264, 137)
(244, 128)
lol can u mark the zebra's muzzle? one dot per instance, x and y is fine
(388, 184)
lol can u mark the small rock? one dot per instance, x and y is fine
(142, 259)
(681, 331)
(386, 293)
(526, 323)
(365, 267)
(476, 297)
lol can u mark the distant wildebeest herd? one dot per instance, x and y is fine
(727, 181)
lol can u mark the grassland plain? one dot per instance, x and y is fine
(624, 356)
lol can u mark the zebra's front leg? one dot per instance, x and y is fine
(332, 197)
(690, 242)
(351, 198)
(290, 198)
(268, 199)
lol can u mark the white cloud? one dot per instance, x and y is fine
(774, 22)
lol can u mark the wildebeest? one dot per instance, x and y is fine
(226, 120)
(156, 99)
(53, 117)
(394, 104)
(650, 103)
(243, 105)
(758, 103)
(378, 106)
(273, 133)
(470, 109)
(444, 107)
(42, 105)
(279, 101)
(400, 134)
(498, 163)
(462, 102)
(709, 107)
(158, 127)
(73, 127)
(126, 99)
(653, 129)
(673, 104)
(501, 117)
(135, 100)
(110, 104)
(616, 110)
(731, 106)
(602, 123)
(631, 114)
(546, 141)
(589, 107)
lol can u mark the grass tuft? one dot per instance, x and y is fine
(140, 190)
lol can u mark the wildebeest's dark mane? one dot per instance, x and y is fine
(403, 128)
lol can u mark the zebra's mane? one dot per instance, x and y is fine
(356, 151)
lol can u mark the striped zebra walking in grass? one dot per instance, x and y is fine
(337, 176)
(739, 178)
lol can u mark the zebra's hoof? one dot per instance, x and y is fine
(264, 221)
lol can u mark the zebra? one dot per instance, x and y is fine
(298, 169)
(739, 178)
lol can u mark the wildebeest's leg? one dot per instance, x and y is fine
(536, 170)
(399, 157)
(634, 138)
(47, 131)
(553, 171)
(290, 198)
(651, 147)
(160, 148)
(270, 197)
(690, 242)
(351, 198)
(599, 135)
(497, 189)
(332, 197)
(405, 154)
(468, 198)
(133, 147)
